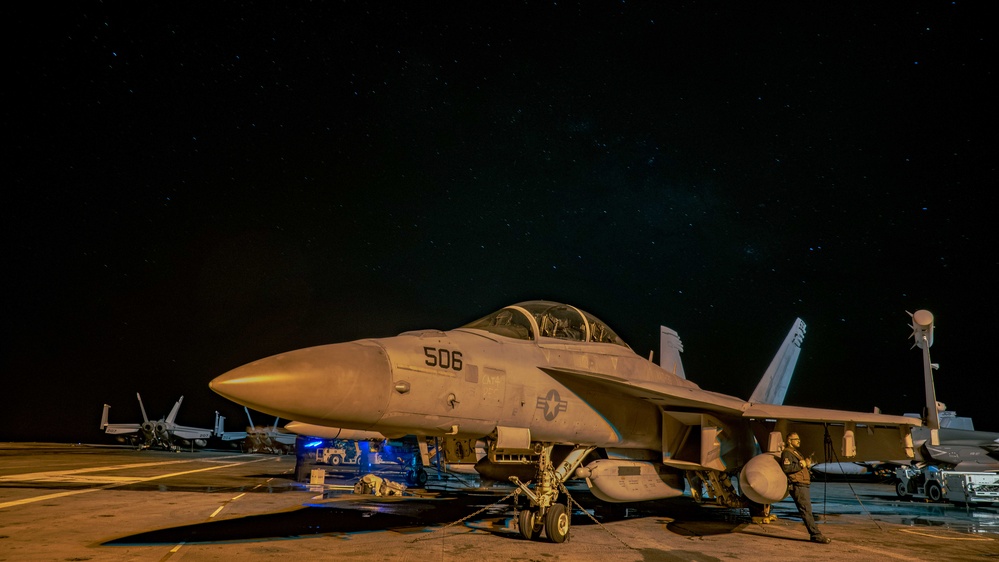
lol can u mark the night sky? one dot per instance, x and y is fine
(192, 187)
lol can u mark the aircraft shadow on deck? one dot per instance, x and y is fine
(409, 515)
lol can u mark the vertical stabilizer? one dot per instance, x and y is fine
(145, 418)
(773, 386)
(104, 417)
(669, 351)
(174, 410)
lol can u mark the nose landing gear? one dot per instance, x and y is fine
(543, 513)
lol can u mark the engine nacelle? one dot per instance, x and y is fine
(762, 480)
(630, 481)
(200, 442)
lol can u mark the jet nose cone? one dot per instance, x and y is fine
(346, 384)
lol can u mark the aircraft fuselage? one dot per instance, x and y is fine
(429, 381)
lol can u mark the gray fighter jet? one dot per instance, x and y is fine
(257, 439)
(556, 394)
(164, 433)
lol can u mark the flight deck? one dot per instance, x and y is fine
(83, 502)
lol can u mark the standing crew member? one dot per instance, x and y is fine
(796, 467)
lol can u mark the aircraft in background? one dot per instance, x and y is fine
(556, 394)
(257, 439)
(948, 441)
(164, 433)
(959, 446)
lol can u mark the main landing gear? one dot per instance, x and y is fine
(543, 513)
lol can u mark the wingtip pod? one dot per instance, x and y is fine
(922, 328)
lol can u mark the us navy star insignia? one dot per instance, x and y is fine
(552, 404)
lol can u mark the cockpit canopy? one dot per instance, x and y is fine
(533, 319)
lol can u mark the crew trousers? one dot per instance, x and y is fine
(802, 497)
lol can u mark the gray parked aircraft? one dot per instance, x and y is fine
(553, 390)
(257, 439)
(164, 433)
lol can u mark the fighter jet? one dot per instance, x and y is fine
(556, 394)
(257, 439)
(461, 455)
(163, 434)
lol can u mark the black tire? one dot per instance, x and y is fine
(902, 489)
(527, 520)
(421, 478)
(934, 492)
(335, 460)
(557, 523)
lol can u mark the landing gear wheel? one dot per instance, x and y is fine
(527, 520)
(416, 477)
(902, 489)
(557, 523)
(934, 492)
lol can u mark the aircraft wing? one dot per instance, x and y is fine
(837, 435)
(118, 428)
(232, 435)
(666, 396)
(820, 415)
(121, 428)
(853, 436)
(185, 432)
(227, 435)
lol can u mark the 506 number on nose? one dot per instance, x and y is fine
(443, 358)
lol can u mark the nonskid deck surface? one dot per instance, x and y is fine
(60, 502)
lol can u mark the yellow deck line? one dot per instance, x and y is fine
(115, 485)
